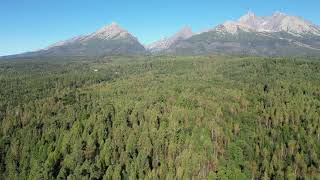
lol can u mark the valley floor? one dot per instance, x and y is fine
(160, 117)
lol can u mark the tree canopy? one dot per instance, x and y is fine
(160, 117)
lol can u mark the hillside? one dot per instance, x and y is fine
(247, 43)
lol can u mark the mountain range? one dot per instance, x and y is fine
(278, 34)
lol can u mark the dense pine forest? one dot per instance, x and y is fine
(160, 117)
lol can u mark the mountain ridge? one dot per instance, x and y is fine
(164, 43)
(277, 22)
(276, 34)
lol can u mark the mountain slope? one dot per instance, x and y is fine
(278, 34)
(259, 43)
(165, 43)
(109, 40)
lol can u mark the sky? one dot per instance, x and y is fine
(28, 25)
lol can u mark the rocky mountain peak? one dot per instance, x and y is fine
(164, 43)
(279, 14)
(111, 27)
(185, 31)
(110, 31)
(248, 16)
(277, 22)
(110, 39)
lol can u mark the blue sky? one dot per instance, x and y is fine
(28, 25)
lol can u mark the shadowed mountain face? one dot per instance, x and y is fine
(279, 34)
(109, 40)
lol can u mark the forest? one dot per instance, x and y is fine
(160, 117)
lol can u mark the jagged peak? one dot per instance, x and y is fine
(111, 27)
(111, 31)
(279, 13)
(164, 43)
(250, 14)
(247, 16)
(278, 21)
(231, 27)
(184, 32)
(113, 23)
(186, 28)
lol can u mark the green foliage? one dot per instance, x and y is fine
(160, 117)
